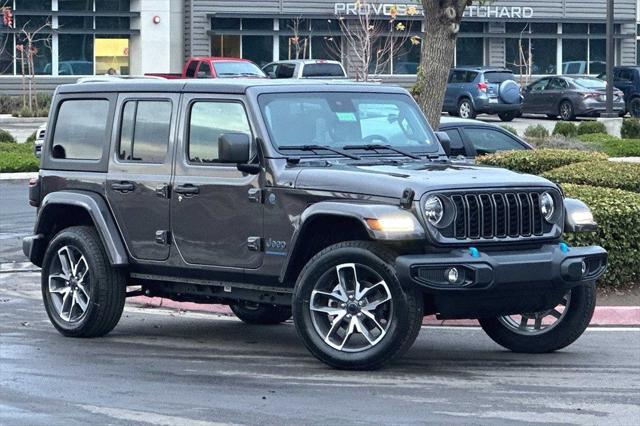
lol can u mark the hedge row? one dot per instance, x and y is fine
(17, 158)
(618, 215)
(612, 146)
(539, 161)
(599, 173)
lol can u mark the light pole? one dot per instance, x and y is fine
(610, 61)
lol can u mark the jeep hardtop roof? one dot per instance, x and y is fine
(228, 86)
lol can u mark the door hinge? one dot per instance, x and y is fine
(163, 237)
(255, 195)
(254, 243)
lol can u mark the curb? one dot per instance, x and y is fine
(18, 176)
(604, 316)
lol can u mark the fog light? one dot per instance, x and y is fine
(452, 275)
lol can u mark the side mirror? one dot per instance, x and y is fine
(234, 148)
(445, 141)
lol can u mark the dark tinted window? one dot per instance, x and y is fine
(81, 128)
(191, 69)
(144, 134)
(539, 85)
(498, 77)
(113, 6)
(457, 146)
(557, 84)
(40, 5)
(208, 121)
(463, 76)
(285, 70)
(225, 23)
(487, 140)
(257, 24)
(322, 70)
(205, 70)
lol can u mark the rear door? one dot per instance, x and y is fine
(551, 95)
(454, 88)
(140, 171)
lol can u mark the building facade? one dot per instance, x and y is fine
(92, 37)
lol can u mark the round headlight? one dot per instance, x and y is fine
(433, 210)
(547, 207)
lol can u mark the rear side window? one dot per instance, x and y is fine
(463, 77)
(208, 121)
(144, 134)
(81, 129)
(285, 71)
(191, 69)
(498, 77)
(322, 70)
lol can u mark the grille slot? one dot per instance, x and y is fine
(496, 215)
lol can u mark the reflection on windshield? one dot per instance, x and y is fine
(341, 119)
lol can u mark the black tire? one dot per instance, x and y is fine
(507, 116)
(405, 306)
(105, 286)
(453, 113)
(466, 109)
(580, 310)
(552, 116)
(260, 314)
(567, 112)
(634, 107)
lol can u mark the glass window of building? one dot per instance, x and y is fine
(543, 53)
(597, 56)
(75, 54)
(571, 28)
(471, 27)
(294, 47)
(113, 5)
(75, 23)
(112, 55)
(295, 25)
(574, 56)
(225, 23)
(325, 25)
(405, 57)
(469, 51)
(257, 24)
(326, 47)
(258, 49)
(75, 5)
(39, 5)
(41, 55)
(6, 53)
(226, 46)
(112, 23)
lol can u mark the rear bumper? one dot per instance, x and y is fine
(596, 108)
(483, 105)
(500, 283)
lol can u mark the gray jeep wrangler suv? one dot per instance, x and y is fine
(334, 203)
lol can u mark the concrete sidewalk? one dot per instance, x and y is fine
(604, 316)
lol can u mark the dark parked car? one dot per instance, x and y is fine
(332, 203)
(627, 79)
(470, 138)
(569, 97)
(473, 91)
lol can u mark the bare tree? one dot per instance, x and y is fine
(298, 46)
(442, 24)
(370, 42)
(525, 58)
(28, 51)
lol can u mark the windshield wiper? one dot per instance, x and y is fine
(373, 147)
(317, 148)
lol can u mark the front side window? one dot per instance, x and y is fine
(488, 141)
(80, 130)
(207, 122)
(340, 119)
(144, 134)
(539, 85)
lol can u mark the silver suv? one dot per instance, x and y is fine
(305, 68)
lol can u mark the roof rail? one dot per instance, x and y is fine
(114, 78)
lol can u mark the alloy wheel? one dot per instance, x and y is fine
(465, 110)
(351, 307)
(536, 323)
(69, 285)
(565, 111)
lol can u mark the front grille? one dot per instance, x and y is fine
(493, 215)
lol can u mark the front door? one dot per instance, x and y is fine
(216, 216)
(140, 172)
(534, 98)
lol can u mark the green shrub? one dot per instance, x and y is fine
(565, 128)
(618, 215)
(9, 104)
(25, 112)
(6, 137)
(509, 129)
(630, 128)
(32, 138)
(539, 161)
(538, 131)
(560, 142)
(17, 158)
(599, 173)
(612, 146)
(590, 127)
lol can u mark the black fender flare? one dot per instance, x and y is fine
(358, 211)
(100, 214)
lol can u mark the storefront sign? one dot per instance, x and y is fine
(408, 9)
(504, 12)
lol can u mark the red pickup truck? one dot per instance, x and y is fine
(212, 67)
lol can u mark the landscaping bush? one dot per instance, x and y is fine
(32, 138)
(25, 112)
(539, 161)
(560, 142)
(9, 104)
(599, 173)
(618, 215)
(6, 137)
(630, 128)
(612, 146)
(565, 128)
(17, 158)
(509, 129)
(538, 131)
(590, 127)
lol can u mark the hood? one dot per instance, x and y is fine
(391, 180)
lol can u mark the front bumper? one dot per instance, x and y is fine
(500, 282)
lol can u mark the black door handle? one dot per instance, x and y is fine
(187, 189)
(123, 186)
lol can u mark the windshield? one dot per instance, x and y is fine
(237, 69)
(346, 119)
(590, 83)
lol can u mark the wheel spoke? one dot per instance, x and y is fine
(344, 275)
(538, 322)
(81, 301)
(366, 290)
(335, 296)
(362, 329)
(375, 321)
(59, 290)
(523, 321)
(350, 329)
(66, 261)
(65, 308)
(335, 326)
(84, 291)
(81, 269)
(327, 310)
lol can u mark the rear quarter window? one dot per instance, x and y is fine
(81, 129)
